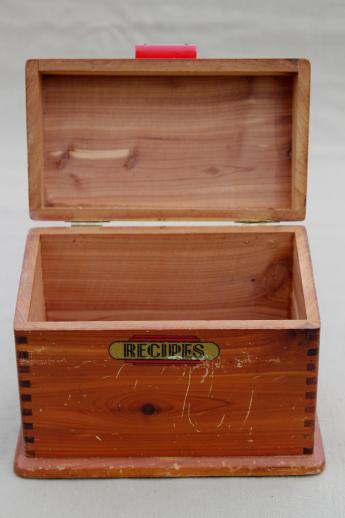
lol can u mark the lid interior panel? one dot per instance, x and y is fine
(126, 146)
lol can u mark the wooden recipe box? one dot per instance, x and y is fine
(171, 350)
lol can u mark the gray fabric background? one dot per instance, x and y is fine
(309, 28)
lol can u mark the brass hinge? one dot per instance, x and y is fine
(87, 223)
(264, 222)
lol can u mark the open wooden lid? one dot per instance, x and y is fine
(168, 139)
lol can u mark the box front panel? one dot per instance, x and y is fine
(251, 392)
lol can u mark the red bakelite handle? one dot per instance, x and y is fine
(165, 51)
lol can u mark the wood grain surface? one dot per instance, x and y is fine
(167, 276)
(122, 467)
(214, 140)
(257, 398)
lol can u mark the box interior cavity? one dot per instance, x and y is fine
(168, 276)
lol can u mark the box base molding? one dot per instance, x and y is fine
(132, 467)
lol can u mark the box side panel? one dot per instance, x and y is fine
(300, 135)
(256, 398)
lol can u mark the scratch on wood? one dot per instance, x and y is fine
(206, 372)
(249, 407)
(278, 378)
(82, 363)
(221, 421)
(190, 419)
(119, 371)
(187, 390)
(212, 379)
(239, 363)
(273, 360)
